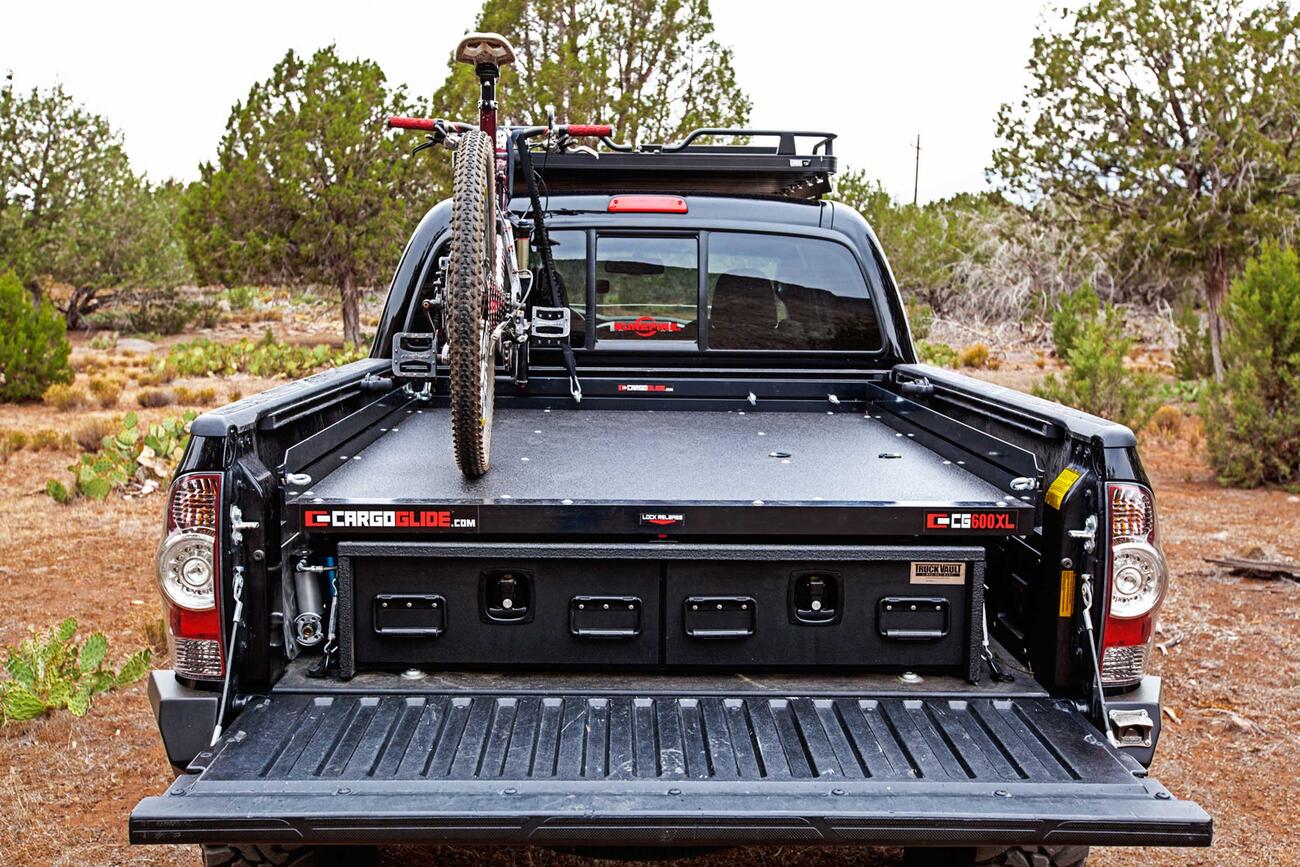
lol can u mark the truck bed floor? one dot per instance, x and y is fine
(666, 456)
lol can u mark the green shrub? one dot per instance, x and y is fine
(266, 357)
(1074, 311)
(106, 341)
(52, 671)
(241, 297)
(34, 345)
(1097, 380)
(156, 312)
(1192, 357)
(1252, 419)
(920, 316)
(938, 354)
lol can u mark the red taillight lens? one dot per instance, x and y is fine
(647, 205)
(1137, 578)
(189, 573)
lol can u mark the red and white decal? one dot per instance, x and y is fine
(647, 326)
(381, 519)
(645, 387)
(959, 521)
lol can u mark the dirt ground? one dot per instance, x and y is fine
(1231, 670)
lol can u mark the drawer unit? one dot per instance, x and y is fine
(455, 612)
(885, 614)
(672, 606)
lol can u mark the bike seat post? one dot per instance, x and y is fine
(487, 53)
(487, 101)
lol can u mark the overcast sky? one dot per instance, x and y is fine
(878, 73)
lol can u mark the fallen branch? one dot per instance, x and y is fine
(1258, 568)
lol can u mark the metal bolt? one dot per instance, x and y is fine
(674, 791)
(837, 791)
(1002, 793)
(1067, 563)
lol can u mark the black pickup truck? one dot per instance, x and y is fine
(771, 582)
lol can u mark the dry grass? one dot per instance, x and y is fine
(204, 395)
(89, 434)
(65, 398)
(159, 374)
(974, 355)
(152, 398)
(106, 390)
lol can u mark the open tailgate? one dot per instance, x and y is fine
(631, 769)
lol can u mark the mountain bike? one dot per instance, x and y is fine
(483, 316)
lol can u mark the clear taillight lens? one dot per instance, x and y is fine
(188, 574)
(1138, 577)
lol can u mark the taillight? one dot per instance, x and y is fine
(1138, 577)
(188, 574)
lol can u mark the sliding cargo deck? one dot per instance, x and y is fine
(846, 471)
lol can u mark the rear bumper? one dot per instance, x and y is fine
(186, 716)
(639, 769)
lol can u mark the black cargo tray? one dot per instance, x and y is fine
(650, 769)
(674, 473)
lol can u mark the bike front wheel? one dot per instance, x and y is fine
(475, 302)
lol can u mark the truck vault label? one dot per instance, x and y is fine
(938, 573)
(390, 519)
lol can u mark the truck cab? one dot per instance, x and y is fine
(771, 582)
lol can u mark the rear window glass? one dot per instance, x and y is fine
(781, 292)
(647, 288)
(569, 252)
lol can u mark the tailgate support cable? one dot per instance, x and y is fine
(1085, 610)
(237, 525)
(237, 590)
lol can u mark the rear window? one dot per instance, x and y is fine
(647, 288)
(569, 252)
(779, 292)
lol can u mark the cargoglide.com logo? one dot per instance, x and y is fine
(379, 519)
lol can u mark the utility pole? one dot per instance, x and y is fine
(916, 172)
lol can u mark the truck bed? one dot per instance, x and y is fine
(845, 471)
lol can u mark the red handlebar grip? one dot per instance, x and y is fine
(424, 123)
(599, 130)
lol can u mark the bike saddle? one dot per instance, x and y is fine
(478, 48)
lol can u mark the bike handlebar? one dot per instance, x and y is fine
(426, 124)
(599, 130)
(429, 124)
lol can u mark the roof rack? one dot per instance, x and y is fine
(684, 167)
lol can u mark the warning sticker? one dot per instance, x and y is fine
(1067, 593)
(1064, 482)
(938, 573)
